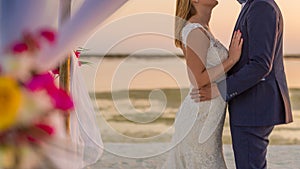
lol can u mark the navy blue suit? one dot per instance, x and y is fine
(256, 88)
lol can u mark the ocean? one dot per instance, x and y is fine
(137, 97)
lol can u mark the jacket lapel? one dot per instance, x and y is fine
(244, 10)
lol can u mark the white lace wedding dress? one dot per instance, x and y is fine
(197, 139)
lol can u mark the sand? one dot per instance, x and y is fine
(139, 121)
(279, 157)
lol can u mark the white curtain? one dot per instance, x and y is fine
(18, 16)
(29, 15)
(77, 30)
(84, 129)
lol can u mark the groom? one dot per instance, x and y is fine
(255, 88)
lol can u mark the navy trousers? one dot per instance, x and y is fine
(250, 146)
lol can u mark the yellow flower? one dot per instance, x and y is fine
(10, 101)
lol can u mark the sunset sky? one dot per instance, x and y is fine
(121, 26)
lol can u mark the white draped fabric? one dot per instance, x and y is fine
(30, 15)
(18, 16)
(84, 129)
(78, 29)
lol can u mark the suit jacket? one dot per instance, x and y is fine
(256, 87)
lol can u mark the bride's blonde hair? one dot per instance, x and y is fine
(184, 11)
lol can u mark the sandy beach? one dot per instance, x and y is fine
(279, 157)
(137, 99)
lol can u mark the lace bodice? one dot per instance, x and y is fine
(216, 52)
(198, 126)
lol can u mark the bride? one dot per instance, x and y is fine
(198, 126)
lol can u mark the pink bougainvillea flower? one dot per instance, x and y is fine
(61, 99)
(19, 47)
(77, 53)
(56, 71)
(32, 139)
(49, 35)
(40, 131)
(31, 41)
(46, 128)
(40, 82)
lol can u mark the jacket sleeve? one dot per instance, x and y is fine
(262, 36)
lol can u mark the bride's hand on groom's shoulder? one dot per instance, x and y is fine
(235, 48)
(205, 93)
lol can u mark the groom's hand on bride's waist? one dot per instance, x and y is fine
(205, 93)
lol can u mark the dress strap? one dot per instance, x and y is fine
(191, 26)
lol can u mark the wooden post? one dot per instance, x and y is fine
(65, 68)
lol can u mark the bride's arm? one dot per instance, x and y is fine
(196, 53)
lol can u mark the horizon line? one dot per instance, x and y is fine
(122, 55)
